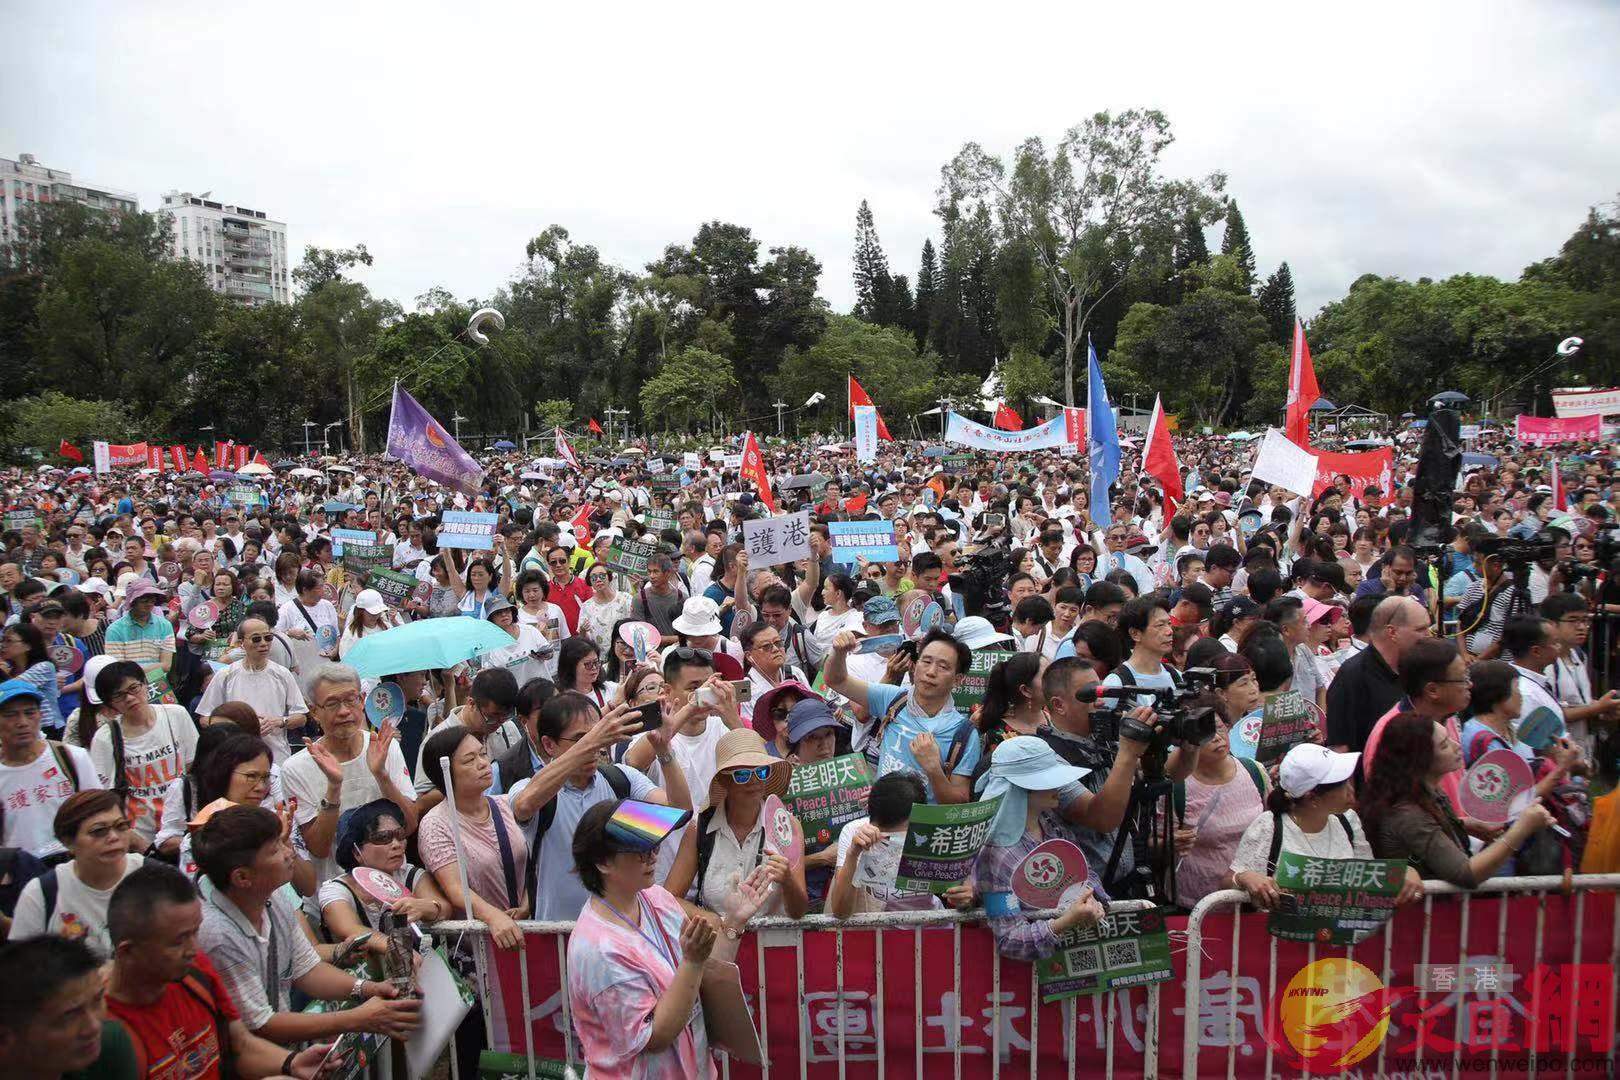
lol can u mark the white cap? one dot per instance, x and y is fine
(1308, 766)
(370, 601)
(977, 632)
(97, 586)
(92, 668)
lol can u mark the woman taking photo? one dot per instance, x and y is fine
(92, 826)
(373, 836)
(635, 959)
(1310, 815)
(1409, 817)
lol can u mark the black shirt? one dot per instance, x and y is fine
(1365, 689)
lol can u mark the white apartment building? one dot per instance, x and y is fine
(242, 252)
(26, 182)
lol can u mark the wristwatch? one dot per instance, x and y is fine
(328, 807)
(731, 932)
(359, 990)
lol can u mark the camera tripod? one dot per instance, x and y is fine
(1150, 830)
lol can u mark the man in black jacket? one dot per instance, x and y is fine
(1369, 685)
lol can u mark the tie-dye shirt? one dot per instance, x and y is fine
(616, 978)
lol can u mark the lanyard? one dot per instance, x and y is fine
(661, 944)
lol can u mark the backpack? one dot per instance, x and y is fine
(616, 778)
(194, 982)
(1276, 839)
(1470, 612)
(953, 752)
(1178, 792)
(17, 869)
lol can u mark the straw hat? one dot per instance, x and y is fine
(742, 748)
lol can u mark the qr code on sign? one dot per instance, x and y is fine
(1086, 960)
(1118, 954)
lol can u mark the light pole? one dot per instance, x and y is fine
(623, 414)
(326, 435)
(307, 425)
(944, 408)
(779, 406)
(456, 420)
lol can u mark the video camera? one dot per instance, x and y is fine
(1517, 554)
(1182, 721)
(981, 582)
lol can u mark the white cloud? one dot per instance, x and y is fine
(1405, 139)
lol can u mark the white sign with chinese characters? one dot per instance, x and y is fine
(775, 540)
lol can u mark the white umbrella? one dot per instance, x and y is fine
(339, 468)
(313, 474)
(253, 468)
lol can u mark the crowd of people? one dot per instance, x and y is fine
(186, 800)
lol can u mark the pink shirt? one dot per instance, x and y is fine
(486, 874)
(1451, 783)
(616, 977)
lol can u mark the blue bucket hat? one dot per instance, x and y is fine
(807, 715)
(1018, 766)
(880, 610)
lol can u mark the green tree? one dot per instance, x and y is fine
(1083, 209)
(871, 268)
(883, 358)
(927, 295)
(1235, 242)
(554, 413)
(44, 420)
(1025, 376)
(695, 385)
(1276, 299)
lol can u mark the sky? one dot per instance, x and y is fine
(1411, 139)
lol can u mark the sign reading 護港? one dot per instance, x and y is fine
(871, 540)
(468, 530)
(773, 541)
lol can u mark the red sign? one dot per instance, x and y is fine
(131, 456)
(1551, 430)
(1448, 996)
(1074, 426)
(1375, 467)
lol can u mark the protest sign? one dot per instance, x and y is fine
(1574, 403)
(397, 588)
(1125, 948)
(468, 530)
(109, 456)
(1285, 464)
(970, 691)
(664, 482)
(364, 558)
(773, 541)
(656, 466)
(866, 433)
(1492, 783)
(828, 795)
(350, 536)
(871, 540)
(692, 461)
(1334, 901)
(630, 556)
(958, 462)
(247, 496)
(660, 519)
(1552, 430)
(1468, 432)
(942, 841)
(1286, 720)
(1052, 435)
(18, 520)
(1374, 468)
(732, 461)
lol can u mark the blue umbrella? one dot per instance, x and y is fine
(503, 444)
(424, 645)
(338, 506)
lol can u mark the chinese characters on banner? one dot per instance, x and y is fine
(871, 540)
(866, 433)
(941, 843)
(467, 529)
(773, 541)
(1334, 901)
(1375, 467)
(1551, 430)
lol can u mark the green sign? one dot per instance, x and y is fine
(396, 588)
(958, 462)
(664, 482)
(1286, 721)
(970, 691)
(630, 556)
(827, 796)
(18, 520)
(660, 519)
(497, 1066)
(364, 558)
(1334, 901)
(941, 843)
(245, 495)
(1125, 948)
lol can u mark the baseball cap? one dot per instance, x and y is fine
(1308, 766)
(16, 688)
(370, 601)
(1330, 573)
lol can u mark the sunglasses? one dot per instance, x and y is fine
(260, 639)
(386, 836)
(761, 773)
(101, 832)
(685, 653)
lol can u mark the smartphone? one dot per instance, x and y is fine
(744, 690)
(992, 520)
(652, 715)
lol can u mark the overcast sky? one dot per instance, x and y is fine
(1408, 139)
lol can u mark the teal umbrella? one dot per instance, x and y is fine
(424, 645)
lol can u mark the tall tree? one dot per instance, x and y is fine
(1191, 249)
(871, 269)
(342, 319)
(1236, 243)
(1083, 209)
(1276, 298)
(927, 295)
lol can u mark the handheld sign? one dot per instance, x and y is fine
(1051, 876)
(385, 702)
(1492, 784)
(779, 835)
(169, 571)
(380, 886)
(66, 658)
(642, 637)
(326, 636)
(1540, 728)
(882, 644)
(912, 606)
(204, 615)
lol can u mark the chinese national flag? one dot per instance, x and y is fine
(258, 459)
(199, 463)
(855, 505)
(1302, 390)
(581, 521)
(595, 428)
(1007, 419)
(1159, 459)
(71, 452)
(178, 454)
(753, 468)
(858, 396)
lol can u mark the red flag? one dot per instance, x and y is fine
(565, 451)
(753, 468)
(1159, 459)
(178, 454)
(596, 429)
(240, 456)
(154, 457)
(1559, 495)
(1006, 419)
(200, 462)
(857, 396)
(222, 454)
(258, 459)
(855, 505)
(1302, 390)
(71, 452)
(581, 521)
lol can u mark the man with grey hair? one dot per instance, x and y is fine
(347, 766)
(699, 563)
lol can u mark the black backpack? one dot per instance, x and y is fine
(1276, 839)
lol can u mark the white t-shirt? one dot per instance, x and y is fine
(304, 781)
(519, 657)
(309, 652)
(153, 760)
(80, 914)
(828, 626)
(272, 691)
(884, 897)
(1255, 848)
(32, 793)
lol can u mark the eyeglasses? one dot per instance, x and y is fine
(686, 653)
(761, 773)
(386, 836)
(101, 832)
(769, 646)
(134, 690)
(347, 701)
(260, 639)
(254, 778)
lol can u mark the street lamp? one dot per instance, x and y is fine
(944, 410)
(326, 435)
(307, 425)
(779, 406)
(456, 420)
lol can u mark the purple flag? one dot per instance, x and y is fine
(418, 440)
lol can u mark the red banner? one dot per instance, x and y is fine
(222, 455)
(178, 454)
(154, 457)
(1074, 427)
(1449, 996)
(1552, 430)
(240, 455)
(1376, 467)
(130, 456)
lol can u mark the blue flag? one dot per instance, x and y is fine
(1102, 440)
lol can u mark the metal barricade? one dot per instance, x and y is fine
(1541, 887)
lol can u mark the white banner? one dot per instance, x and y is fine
(1286, 464)
(692, 461)
(1052, 435)
(103, 458)
(1572, 403)
(775, 540)
(866, 433)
